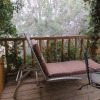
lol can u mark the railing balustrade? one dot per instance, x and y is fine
(63, 42)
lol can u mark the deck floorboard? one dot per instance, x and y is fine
(51, 91)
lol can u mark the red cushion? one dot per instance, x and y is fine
(70, 67)
(66, 68)
(40, 59)
(93, 64)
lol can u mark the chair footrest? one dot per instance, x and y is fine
(62, 78)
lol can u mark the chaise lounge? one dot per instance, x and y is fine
(58, 71)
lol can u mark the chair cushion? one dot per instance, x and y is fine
(66, 68)
(59, 69)
(33, 42)
(40, 58)
(95, 77)
(93, 64)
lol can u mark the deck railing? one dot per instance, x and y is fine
(69, 41)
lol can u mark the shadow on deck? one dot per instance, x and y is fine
(51, 91)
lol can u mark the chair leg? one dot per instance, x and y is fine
(83, 86)
(17, 87)
(19, 83)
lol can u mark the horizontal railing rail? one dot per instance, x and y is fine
(62, 43)
(48, 38)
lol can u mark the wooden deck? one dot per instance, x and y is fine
(51, 91)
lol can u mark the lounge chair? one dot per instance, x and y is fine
(58, 71)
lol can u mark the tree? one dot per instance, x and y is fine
(7, 29)
(95, 17)
(95, 26)
(52, 17)
(6, 13)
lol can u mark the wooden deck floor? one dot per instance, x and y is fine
(51, 91)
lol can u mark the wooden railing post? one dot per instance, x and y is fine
(47, 50)
(55, 47)
(2, 75)
(81, 47)
(24, 51)
(7, 60)
(15, 48)
(98, 47)
(40, 44)
(62, 50)
(97, 50)
(69, 44)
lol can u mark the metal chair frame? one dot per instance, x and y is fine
(88, 72)
(29, 68)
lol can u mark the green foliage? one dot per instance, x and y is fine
(6, 13)
(7, 29)
(57, 55)
(28, 57)
(95, 17)
(94, 25)
(52, 17)
(15, 60)
(73, 53)
(98, 58)
(17, 6)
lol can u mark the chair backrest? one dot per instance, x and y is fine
(37, 54)
(86, 63)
